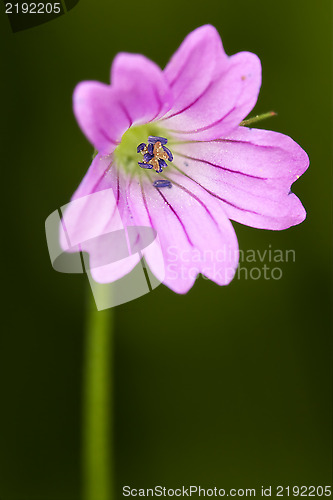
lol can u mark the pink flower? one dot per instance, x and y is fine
(212, 171)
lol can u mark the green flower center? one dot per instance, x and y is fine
(126, 155)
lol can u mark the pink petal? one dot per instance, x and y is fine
(250, 173)
(116, 270)
(100, 114)
(224, 103)
(195, 235)
(145, 91)
(98, 208)
(139, 94)
(194, 66)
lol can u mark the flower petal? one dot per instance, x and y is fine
(250, 172)
(194, 66)
(95, 222)
(193, 230)
(83, 218)
(139, 93)
(145, 92)
(114, 271)
(100, 114)
(224, 103)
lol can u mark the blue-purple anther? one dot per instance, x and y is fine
(147, 157)
(162, 183)
(154, 153)
(162, 163)
(168, 152)
(144, 165)
(152, 139)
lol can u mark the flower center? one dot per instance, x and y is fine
(154, 152)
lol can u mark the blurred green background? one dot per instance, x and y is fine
(225, 386)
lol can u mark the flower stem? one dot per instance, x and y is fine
(258, 118)
(98, 480)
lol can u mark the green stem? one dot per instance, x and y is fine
(258, 118)
(98, 480)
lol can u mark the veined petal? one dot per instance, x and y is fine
(139, 94)
(145, 92)
(96, 219)
(250, 172)
(83, 218)
(223, 104)
(100, 114)
(193, 230)
(194, 66)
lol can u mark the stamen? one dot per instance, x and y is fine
(156, 165)
(155, 153)
(162, 163)
(152, 139)
(145, 165)
(162, 183)
(147, 157)
(168, 152)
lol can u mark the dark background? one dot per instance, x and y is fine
(225, 386)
